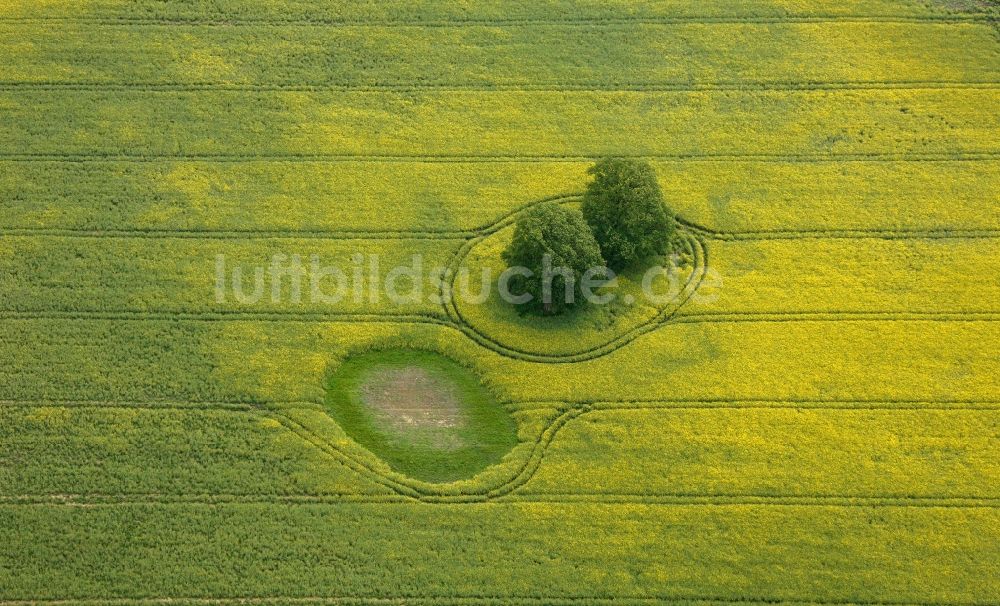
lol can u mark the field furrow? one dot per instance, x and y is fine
(189, 276)
(880, 452)
(888, 276)
(229, 11)
(162, 449)
(632, 551)
(245, 359)
(932, 124)
(323, 199)
(639, 56)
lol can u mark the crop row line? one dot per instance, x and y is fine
(238, 234)
(120, 499)
(431, 493)
(362, 467)
(841, 233)
(457, 234)
(417, 491)
(232, 21)
(857, 234)
(154, 87)
(958, 156)
(507, 488)
(699, 252)
(853, 234)
(426, 492)
(223, 316)
(354, 234)
(411, 490)
(235, 406)
(478, 600)
(534, 459)
(804, 500)
(527, 404)
(755, 403)
(451, 315)
(568, 498)
(657, 322)
(356, 464)
(835, 316)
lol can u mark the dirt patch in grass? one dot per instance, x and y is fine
(421, 412)
(411, 398)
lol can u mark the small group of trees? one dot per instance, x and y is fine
(622, 220)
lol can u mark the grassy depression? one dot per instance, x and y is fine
(422, 413)
(583, 329)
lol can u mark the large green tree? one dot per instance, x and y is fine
(555, 245)
(625, 209)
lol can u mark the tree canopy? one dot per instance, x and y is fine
(556, 246)
(625, 210)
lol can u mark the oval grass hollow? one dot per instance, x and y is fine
(424, 414)
(580, 331)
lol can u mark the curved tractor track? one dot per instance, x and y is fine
(696, 239)
(439, 493)
(524, 468)
(693, 242)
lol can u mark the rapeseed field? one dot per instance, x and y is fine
(811, 416)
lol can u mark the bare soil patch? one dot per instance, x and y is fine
(411, 398)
